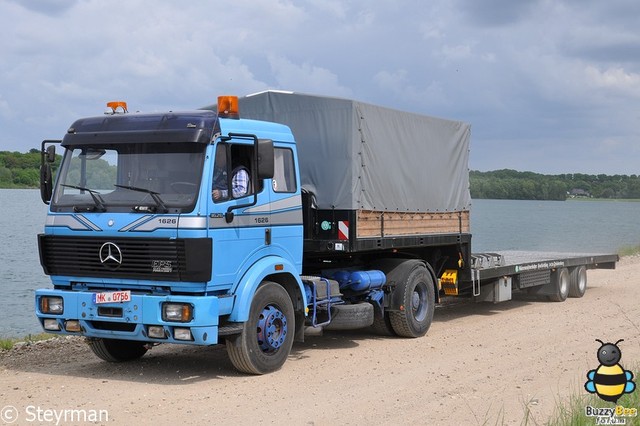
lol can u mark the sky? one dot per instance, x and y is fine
(549, 86)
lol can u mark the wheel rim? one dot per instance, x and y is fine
(582, 282)
(272, 329)
(419, 302)
(564, 284)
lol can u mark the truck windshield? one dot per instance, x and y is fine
(130, 177)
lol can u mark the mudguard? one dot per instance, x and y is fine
(250, 281)
(397, 270)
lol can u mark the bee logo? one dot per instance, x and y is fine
(609, 381)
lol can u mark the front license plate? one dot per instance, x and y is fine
(112, 297)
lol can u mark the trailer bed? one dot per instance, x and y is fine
(490, 266)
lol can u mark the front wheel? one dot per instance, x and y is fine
(267, 336)
(116, 350)
(418, 304)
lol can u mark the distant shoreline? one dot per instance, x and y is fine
(577, 199)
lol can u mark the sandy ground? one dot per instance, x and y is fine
(479, 364)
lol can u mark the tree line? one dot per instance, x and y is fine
(514, 185)
(22, 170)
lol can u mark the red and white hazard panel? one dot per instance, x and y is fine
(343, 229)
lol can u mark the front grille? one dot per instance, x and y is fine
(132, 258)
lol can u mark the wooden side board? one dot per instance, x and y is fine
(384, 224)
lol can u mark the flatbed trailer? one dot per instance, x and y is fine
(556, 275)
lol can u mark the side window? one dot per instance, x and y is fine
(232, 172)
(284, 178)
(220, 189)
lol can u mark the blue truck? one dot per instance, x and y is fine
(247, 222)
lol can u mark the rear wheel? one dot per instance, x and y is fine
(382, 324)
(115, 350)
(267, 336)
(578, 281)
(560, 280)
(418, 304)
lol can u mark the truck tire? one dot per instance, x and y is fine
(560, 280)
(350, 317)
(382, 324)
(578, 281)
(418, 304)
(267, 336)
(116, 350)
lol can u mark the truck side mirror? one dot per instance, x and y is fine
(51, 153)
(47, 157)
(46, 186)
(265, 159)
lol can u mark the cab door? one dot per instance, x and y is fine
(238, 227)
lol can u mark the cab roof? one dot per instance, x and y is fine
(189, 126)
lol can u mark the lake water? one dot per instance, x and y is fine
(568, 226)
(583, 226)
(22, 216)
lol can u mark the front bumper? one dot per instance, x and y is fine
(131, 320)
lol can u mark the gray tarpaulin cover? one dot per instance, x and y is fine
(358, 156)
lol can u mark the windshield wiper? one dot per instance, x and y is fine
(154, 195)
(95, 195)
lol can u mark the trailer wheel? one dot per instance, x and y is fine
(418, 304)
(560, 280)
(578, 281)
(267, 336)
(116, 350)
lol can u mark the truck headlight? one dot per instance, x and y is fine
(182, 334)
(72, 326)
(177, 312)
(51, 305)
(156, 332)
(51, 324)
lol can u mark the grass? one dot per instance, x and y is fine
(629, 251)
(6, 344)
(572, 412)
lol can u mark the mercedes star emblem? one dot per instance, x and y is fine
(110, 255)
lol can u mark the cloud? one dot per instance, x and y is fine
(615, 79)
(461, 51)
(48, 7)
(406, 90)
(601, 42)
(496, 13)
(5, 109)
(306, 78)
(525, 74)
